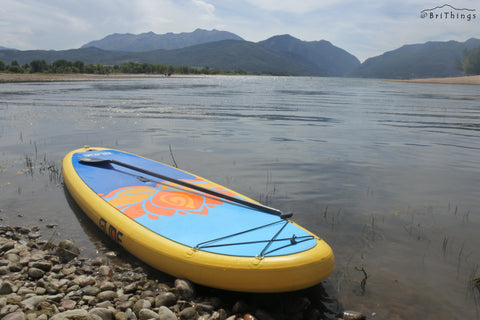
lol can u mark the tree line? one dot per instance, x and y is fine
(471, 62)
(65, 66)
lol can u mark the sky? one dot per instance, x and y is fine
(363, 28)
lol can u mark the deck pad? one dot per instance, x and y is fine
(188, 216)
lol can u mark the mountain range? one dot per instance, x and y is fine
(151, 41)
(428, 60)
(282, 54)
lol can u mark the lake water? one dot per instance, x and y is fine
(387, 173)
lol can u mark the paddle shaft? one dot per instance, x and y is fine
(93, 161)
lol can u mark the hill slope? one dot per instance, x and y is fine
(321, 56)
(231, 55)
(226, 55)
(151, 41)
(428, 60)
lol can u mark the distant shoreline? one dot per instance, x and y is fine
(469, 80)
(39, 77)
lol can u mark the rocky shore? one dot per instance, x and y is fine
(41, 280)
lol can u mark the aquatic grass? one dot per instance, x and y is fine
(53, 171)
(474, 288)
(444, 246)
(459, 257)
(343, 274)
(270, 190)
(171, 155)
(370, 231)
(363, 282)
(45, 166)
(331, 219)
(28, 165)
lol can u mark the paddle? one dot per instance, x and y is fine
(98, 161)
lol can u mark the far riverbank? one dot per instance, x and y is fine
(470, 80)
(41, 77)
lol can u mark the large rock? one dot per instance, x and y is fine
(67, 251)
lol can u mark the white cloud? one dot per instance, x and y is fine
(296, 7)
(205, 8)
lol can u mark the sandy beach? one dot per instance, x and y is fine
(471, 80)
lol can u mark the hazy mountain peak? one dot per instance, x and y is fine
(324, 57)
(150, 41)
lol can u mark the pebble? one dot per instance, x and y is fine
(188, 314)
(145, 314)
(35, 273)
(166, 314)
(352, 315)
(106, 295)
(184, 288)
(56, 283)
(166, 299)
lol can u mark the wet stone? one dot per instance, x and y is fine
(166, 314)
(35, 273)
(188, 314)
(15, 267)
(91, 290)
(51, 288)
(67, 271)
(146, 314)
(7, 246)
(85, 281)
(106, 286)
(185, 288)
(104, 304)
(57, 298)
(105, 271)
(42, 265)
(141, 304)
(130, 288)
(18, 315)
(6, 288)
(106, 295)
(71, 314)
(166, 299)
(124, 305)
(240, 307)
(32, 302)
(103, 313)
(23, 291)
(352, 315)
(98, 261)
(68, 304)
(67, 251)
(34, 235)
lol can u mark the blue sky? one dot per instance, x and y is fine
(363, 28)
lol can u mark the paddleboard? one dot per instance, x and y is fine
(192, 228)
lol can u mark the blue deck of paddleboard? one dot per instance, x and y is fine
(194, 229)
